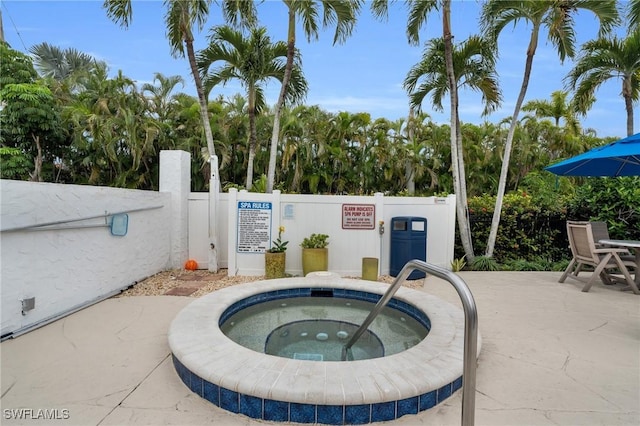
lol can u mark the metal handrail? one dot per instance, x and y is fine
(46, 225)
(470, 328)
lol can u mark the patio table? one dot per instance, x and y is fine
(634, 245)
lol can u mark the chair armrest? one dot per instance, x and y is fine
(611, 250)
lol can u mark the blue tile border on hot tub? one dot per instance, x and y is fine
(302, 413)
(257, 403)
(277, 411)
(273, 410)
(357, 414)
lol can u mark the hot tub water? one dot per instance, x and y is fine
(316, 328)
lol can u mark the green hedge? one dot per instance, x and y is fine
(533, 227)
(612, 200)
(527, 231)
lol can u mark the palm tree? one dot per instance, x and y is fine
(474, 66)
(59, 64)
(304, 144)
(633, 13)
(457, 152)
(66, 70)
(232, 128)
(558, 18)
(411, 151)
(180, 18)
(345, 137)
(557, 108)
(160, 93)
(112, 131)
(561, 140)
(606, 59)
(343, 14)
(418, 13)
(163, 107)
(253, 61)
(482, 152)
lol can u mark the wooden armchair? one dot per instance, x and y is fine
(602, 259)
(600, 231)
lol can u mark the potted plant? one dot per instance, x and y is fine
(275, 258)
(315, 255)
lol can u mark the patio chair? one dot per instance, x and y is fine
(601, 232)
(585, 253)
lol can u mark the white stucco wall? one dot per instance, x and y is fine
(65, 268)
(175, 178)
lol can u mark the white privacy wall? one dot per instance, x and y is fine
(66, 268)
(302, 215)
(70, 264)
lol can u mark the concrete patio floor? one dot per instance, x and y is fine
(551, 355)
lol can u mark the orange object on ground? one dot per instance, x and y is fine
(191, 265)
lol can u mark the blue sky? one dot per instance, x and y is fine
(364, 74)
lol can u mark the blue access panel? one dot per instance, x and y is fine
(408, 242)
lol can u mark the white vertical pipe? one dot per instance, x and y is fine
(232, 240)
(378, 198)
(214, 199)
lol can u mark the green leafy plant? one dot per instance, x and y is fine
(484, 263)
(526, 265)
(612, 200)
(458, 264)
(14, 164)
(560, 266)
(530, 228)
(315, 241)
(279, 246)
(260, 184)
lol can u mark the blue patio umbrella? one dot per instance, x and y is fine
(619, 158)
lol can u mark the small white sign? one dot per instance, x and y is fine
(288, 212)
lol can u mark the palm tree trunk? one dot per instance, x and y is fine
(202, 99)
(1, 28)
(463, 207)
(457, 162)
(502, 183)
(250, 160)
(627, 92)
(291, 49)
(409, 174)
(253, 137)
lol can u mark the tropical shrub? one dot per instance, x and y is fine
(528, 228)
(532, 233)
(548, 190)
(615, 201)
(14, 164)
(484, 263)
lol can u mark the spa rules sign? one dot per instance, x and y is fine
(254, 226)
